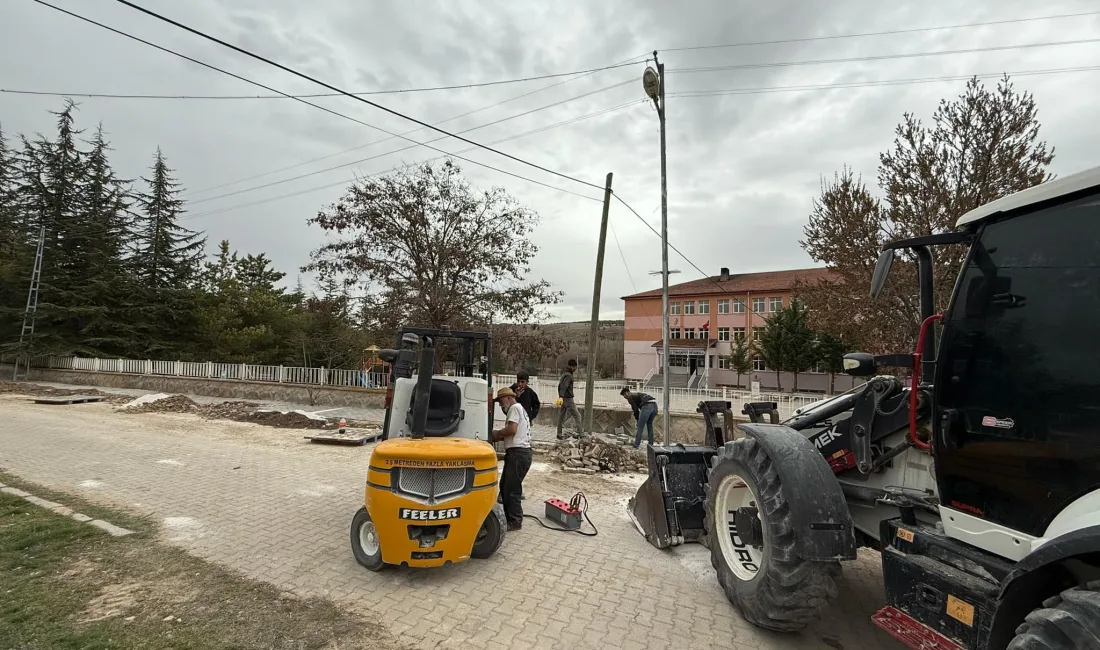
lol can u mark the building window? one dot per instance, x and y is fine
(738, 333)
(756, 334)
(758, 305)
(723, 363)
(738, 306)
(703, 333)
(704, 306)
(674, 333)
(723, 333)
(758, 364)
(689, 333)
(724, 306)
(674, 308)
(776, 304)
(689, 307)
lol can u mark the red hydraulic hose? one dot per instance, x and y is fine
(924, 327)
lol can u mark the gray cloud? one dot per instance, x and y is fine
(743, 169)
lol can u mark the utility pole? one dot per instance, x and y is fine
(654, 84)
(594, 331)
(27, 333)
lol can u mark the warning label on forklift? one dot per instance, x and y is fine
(960, 610)
(403, 462)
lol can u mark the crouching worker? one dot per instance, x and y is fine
(516, 436)
(645, 412)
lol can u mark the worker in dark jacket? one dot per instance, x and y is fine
(526, 396)
(565, 395)
(645, 412)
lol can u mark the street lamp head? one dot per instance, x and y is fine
(651, 82)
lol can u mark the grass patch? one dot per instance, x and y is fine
(69, 585)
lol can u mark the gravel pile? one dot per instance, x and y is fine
(588, 455)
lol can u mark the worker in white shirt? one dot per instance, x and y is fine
(516, 436)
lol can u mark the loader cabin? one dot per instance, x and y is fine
(1016, 381)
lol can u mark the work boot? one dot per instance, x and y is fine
(513, 526)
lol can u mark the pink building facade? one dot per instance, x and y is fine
(704, 318)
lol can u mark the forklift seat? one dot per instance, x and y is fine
(445, 411)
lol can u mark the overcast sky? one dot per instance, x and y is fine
(743, 168)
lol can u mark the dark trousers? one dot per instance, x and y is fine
(517, 461)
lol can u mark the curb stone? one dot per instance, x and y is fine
(109, 528)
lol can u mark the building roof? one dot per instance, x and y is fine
(739, 283)
(1043, 192)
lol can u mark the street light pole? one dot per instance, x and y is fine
(654, 84)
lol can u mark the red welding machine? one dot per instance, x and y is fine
(566, 515)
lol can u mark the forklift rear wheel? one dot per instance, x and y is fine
(491, 535)
(756, 562)
(1068, 621)
(364, 541)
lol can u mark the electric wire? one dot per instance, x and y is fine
(338, 114)
(878, 57)
(374, 142)
(892, 32)
(874, 83)
(411, 146)
(318, 188)
(336, 89)
(395, 91)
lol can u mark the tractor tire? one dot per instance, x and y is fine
(491, 535)
(767, 581)
(364, 541)
(1068, 621)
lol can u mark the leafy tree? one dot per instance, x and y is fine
(740, 357)
(430, 249)
(979, 147)
(830, 354)
(787, 342)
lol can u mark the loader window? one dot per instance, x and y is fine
(1019, 375)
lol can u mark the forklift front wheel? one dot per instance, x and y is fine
(491, 535)
(364, 541)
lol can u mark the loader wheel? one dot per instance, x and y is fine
(364, 541)
(1068, 621)
(491, 535)
(754, 552)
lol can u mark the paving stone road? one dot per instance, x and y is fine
(277, 509)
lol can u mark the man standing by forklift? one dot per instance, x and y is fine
(528, 399)
(565, 394)
(516, 435)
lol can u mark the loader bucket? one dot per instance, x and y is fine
(669, 507)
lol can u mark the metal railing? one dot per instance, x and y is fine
(606, 393)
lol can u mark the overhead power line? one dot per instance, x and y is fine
(313, 95)
(341, 91)
(879, 57)
(336, 113)
(891, 32)
(344, 182)
(874, 83)
(374, 142)
(411, 146)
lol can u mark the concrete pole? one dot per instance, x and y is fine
(594, 331)
(666, 397)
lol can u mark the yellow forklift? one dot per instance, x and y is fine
(432, 483)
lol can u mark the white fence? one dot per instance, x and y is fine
(606, 392)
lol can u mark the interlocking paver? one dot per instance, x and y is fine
(276, 509)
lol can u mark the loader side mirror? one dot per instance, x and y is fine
(882, 270)
(859, 364)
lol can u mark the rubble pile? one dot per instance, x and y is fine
(290, 420)
(599, 453)
(236, 411)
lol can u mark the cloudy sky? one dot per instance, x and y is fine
(743, 167)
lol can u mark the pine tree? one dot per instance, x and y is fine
(740, 357)
(168, 259)
(170, 255)
(13, 245)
